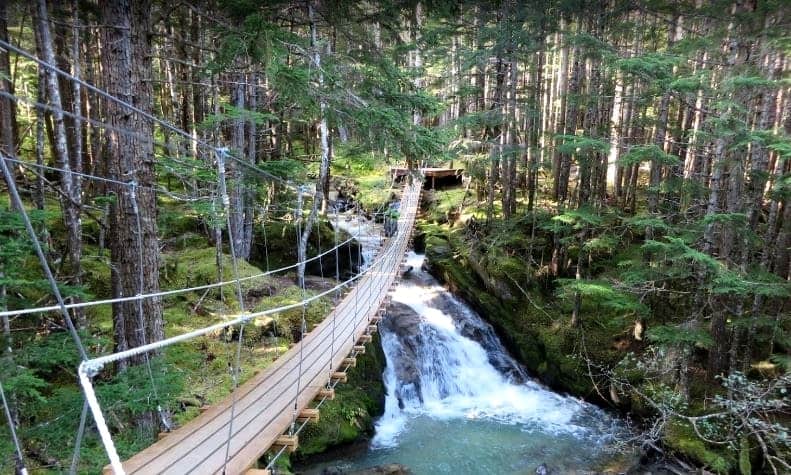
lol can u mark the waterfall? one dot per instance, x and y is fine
(445, 362)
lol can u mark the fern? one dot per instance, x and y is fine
(674, 335)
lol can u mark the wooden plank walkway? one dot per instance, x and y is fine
(264, 405)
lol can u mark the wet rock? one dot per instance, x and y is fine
(483, 334)
(404, 324)
(494, 286)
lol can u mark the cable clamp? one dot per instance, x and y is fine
(91, 368)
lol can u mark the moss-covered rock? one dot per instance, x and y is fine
(680, 437)
(198, 266)
(275, 245)
(351, 415)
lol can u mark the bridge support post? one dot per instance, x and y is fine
(290, 442)
(327, 393)
(350, 362)
(308, 414)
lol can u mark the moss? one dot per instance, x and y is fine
(96, 274)
(178, 221)
(745, 467)
(351, 415)
(375, 191)
(681, 438)
(281, 249)
(195, 267)
(442, 205)
(289, 321)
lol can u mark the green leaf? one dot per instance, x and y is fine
(676, 335)
(644, 153)
(731, 219)
(581, 146)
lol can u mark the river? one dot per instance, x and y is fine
(458, 403)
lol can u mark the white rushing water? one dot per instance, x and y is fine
(367, 233)
(457, 379)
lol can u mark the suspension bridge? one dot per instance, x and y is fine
(268, 411)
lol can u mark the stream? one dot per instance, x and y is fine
(458, 403)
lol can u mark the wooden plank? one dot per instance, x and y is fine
(359, 349)
(257, 471)
(308, 414)
(290, 442)
(372, 329)
(339, 376)
(327, 393)
(350, 362)
(365, 339)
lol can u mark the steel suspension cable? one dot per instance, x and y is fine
(165, 293)
(20, 459)
(19, 205)
(301, 251)
(240, 297)
(75, 457)
(142, 328)
(337, 298)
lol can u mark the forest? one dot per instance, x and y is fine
(623, 220)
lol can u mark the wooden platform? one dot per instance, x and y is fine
(264, 405)
(430, 173)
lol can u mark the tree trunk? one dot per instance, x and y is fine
(615, 134)
(318, 199)
(126, 64)
(71, 183)
(536, 132)
(8, 125)
(560, 123)
(241, 209)
(495, 147)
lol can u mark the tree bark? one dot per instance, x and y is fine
(126, 64)
(71, 183)
(8, 125)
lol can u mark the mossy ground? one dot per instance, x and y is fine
(682, 438)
